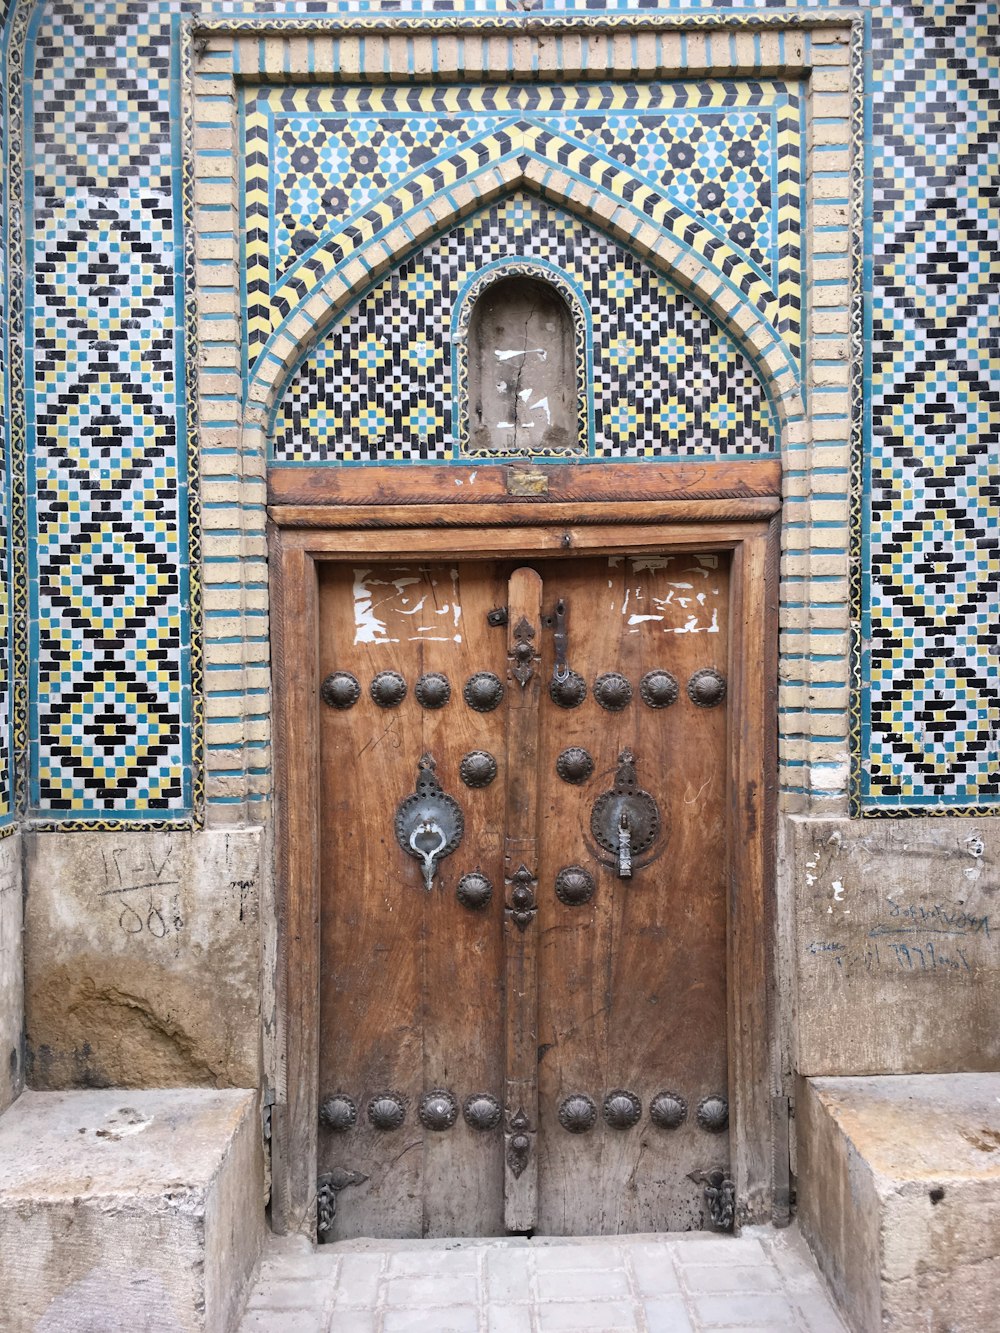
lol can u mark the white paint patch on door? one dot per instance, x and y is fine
(368, 627)
(643, 564)
(450, 609)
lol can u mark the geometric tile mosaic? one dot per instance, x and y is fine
(324, 167)
(930, 706)
(666, 380)
(102, 142)
(107, 479)
(319, 159)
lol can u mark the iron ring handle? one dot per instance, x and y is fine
(429, 826)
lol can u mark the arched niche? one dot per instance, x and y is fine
(521, 366)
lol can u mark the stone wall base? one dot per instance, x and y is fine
(126, 1210)
(899, 1197)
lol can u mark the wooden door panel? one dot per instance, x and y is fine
(419, 992)
(632, 985)
(411, 982)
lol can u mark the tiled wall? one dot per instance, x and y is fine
(930, 677)
(115, 685)
(110, 716)
(661, 378)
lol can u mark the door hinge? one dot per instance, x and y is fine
(720, 1195)
(328, 1186)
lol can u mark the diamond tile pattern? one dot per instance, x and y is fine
(931, 712)
(666, 380)
(108, 470)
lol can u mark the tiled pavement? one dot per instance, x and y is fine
(643, 1284)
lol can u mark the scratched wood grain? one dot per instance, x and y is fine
(633, 985)
(411, 983)
(411, 986)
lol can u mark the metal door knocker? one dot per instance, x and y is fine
(429, 823)
(625, 820)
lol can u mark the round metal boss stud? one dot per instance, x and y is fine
(612, 691)
(481, 1111)
(577, 1113)
(340, 690)
(474, 891)
(706, 688)
(622, 1109)
(659, 689)
(483, 691)
(574, 886)
(388, 689)
(478, 768)
(568, 692)
(668, 1110)
(339, 1113)
(433, 690)
(438, 1109)
(574, 765)
(713, 1114)
(387, 1110)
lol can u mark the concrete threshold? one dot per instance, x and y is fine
(763, 1280)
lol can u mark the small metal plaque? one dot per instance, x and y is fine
(520, 481)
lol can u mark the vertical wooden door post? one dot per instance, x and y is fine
(524, 607)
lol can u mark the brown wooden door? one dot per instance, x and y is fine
(550, 1056)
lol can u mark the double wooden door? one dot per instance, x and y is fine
(523, 911)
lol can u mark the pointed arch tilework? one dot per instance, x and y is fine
(346, 163)
(666, 379)
(933, 207)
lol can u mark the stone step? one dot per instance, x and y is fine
(899, 1197)
(126, 1210)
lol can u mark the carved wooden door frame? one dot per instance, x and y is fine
(301, 538)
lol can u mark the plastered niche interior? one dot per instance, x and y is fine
(523, 383)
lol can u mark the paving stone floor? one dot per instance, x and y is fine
(641, 1284)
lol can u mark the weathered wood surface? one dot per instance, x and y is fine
(752, 686)
(632, 989)
(411, 981)
(294, 657)
(361, 517)
(521, 941)
(514, 543)
(484, 483)
(632, 985)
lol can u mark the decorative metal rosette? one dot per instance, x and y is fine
(478, 768)
(658, 688)
(613, 691)
(474, 891)
(707, 688)
(568, 691)
(713, 1113)
(388, 689)
(622, 1109)
(433, 689)
(339, 1113)
(386, 1110)
(575, 765)
(340, 690)
(482, 1111)
(577, 1113)
(438, 1109)
(574, 886)
(483, 691)
(668, 1110)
